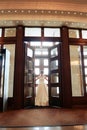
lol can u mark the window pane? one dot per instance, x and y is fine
(37, 52)
(86, 80)
(52, 32)
(0, 32)
(28, 91)
(85, 51)
(32, 31)
(54, 78)
(55, 91)
(10, 32)
(37, 71)
(76, 71)
(85, 62)
(54, 52)
(29, 52)
(45, 62)
(46, 71)
(29, 65)
(47, 44)
(40, 52)
(11, 49)
(37, 62)
(44, 52)
(54, 64)
(84, 34)
(73, 33)
(85, 71)
(35, 44)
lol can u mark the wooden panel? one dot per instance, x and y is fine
(66, 81)
(19, 73)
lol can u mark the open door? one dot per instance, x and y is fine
(54, 76)
(29, 77)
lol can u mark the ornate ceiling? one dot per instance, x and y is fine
(44, 13)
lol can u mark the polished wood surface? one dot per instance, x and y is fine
(43, 117)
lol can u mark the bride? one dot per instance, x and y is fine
(41, 98)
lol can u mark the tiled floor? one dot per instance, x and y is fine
(76, 127)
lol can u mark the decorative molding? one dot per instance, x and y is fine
(42, 12)
(31, 17)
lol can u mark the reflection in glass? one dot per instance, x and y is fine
(28, 91)
(52, 32)
(11, 49)
(73, 33)
(55, 91)
(54, 64)
(10, 32)
(54, 52)
(54, 78)
(76, 71)
(33, 32)
(30, 65)
(29, 78)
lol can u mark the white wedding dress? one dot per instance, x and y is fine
(41, 98)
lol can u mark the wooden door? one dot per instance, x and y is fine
(55, 76)
(29, 77)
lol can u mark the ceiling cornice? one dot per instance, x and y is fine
(43, 12)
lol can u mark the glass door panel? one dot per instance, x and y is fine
(28, 77)
(55, 91)
(54, 52)
(54, 64)
(54, 77)
(76, 71)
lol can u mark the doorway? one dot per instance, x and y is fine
(42, 56)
